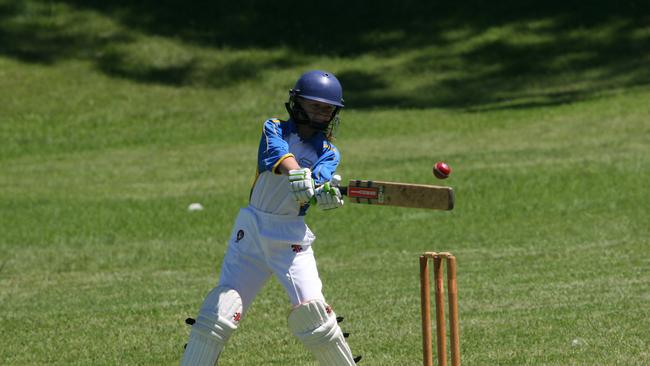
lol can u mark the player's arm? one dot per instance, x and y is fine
(286, 165)
(274, 157)
(301, 182)
(325, 196)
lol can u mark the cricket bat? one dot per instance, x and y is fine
(375, 192)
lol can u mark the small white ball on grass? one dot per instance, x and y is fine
(577, 342)
(195, 207)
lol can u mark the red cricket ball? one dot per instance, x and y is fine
(441, 170)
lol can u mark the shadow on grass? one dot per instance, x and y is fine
(474, 55)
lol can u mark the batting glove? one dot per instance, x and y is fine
(301, 184)
(328, 197)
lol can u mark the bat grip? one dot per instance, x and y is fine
(326, 187)
(343, 190)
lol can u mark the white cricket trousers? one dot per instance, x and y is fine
(263, 244)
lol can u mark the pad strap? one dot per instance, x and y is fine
(217, 320)
(314, 323)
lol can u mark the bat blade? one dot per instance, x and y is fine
(399, 194)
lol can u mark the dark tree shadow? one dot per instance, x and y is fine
(568, 50)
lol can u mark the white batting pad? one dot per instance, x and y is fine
(217, 320)
(314, 323)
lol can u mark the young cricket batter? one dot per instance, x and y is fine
(270, 237)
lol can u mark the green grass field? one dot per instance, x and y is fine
(110, 128)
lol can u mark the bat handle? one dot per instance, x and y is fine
(336, 180)
(325, 187)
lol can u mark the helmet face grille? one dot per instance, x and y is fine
(300, 116)
(333, 128)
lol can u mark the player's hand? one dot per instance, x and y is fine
(328, 197)
(301, 184)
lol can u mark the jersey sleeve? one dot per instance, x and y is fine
(326, 165)
(273, 148)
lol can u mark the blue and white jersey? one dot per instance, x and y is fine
(279, 141)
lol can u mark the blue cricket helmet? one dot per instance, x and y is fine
(321, 86)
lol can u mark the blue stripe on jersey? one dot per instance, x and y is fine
(273, 147)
